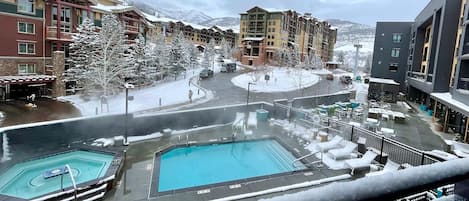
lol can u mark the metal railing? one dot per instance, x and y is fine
(384, 146)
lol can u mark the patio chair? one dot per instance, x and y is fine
(326, 146)
(343, 152)
(252, 120)
(238, 123)
(362, 162)
(389, 167)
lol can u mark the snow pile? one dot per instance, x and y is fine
(171, 93)
(133, 139)
(281, 80)
(374, 188)
(321, 71)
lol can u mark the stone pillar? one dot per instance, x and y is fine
(58, 63)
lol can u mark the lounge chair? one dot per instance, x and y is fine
(389, 167)
(325, 146)
(238, 123)
(252, 120)
(460, 149)
(343, 152)
(362, 162)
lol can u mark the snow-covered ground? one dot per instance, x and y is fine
(281, 79)
(171, 93)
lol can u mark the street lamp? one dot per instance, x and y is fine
(127, 87)
(249, 85)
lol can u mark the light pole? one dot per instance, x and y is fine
(127, 87)
(249, 85)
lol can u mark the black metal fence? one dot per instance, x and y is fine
(387, 148)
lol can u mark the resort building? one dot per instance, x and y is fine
(264, 31)
(437, 75)
(198, 34)
(36, 29)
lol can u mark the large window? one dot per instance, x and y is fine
(393, 67)
(26, 48)
(397, 37)
(26, 6)
(395, 52)
(24, 69)
(24, 27)
(65, 18)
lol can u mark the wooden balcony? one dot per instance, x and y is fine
(51, 34)
(131, 29)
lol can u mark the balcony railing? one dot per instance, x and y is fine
(51, 34)
(130, 28)
(417, 75)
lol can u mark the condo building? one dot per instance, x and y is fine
(35, 29)
(264, 31)
(436, 69)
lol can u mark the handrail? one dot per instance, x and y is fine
(72, 179)
(303, 157)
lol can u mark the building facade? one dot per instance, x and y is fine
(197, 34)
(35, 30)
(263, 32)
(437, 75)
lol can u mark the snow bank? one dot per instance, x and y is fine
(285, 188)
(281, 80)
(383, 185)
(321, 71)
(133, 139)
(171, 93)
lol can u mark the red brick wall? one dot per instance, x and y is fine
(9, 35)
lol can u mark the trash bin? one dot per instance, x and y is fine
(262, 115)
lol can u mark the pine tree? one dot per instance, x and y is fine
(178, 54)
(225, 49)
(103, 60)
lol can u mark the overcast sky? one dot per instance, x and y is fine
(362, 11)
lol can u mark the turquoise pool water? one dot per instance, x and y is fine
(26, 180)
(210, 164)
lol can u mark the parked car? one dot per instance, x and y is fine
(206, 73)
(330, 77)
(346, 79)
(228, 67)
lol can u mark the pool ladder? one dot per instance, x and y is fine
(75, 190)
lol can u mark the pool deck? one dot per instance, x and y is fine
(137, 172)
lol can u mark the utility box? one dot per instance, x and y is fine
(262, 115)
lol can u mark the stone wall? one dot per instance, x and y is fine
(58, 63)
(9, 66)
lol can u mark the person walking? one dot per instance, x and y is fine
(190, 95)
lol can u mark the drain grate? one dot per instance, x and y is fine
(205, 191)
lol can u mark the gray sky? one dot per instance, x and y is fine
(362, 11)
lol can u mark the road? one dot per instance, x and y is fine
(226, 93)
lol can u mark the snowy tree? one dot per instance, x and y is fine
(193, 55)
(368, 64)
(206, 63)
(159, 55)
(141, 70)
(101, 62)
(341, 57)
(209, 51)
(293, 57)
(178, 54)
(225, 49)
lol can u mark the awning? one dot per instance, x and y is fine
(26, 79)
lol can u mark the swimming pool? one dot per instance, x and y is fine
(30, 179)
(196, 166)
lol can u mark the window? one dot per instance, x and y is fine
(24, 27)
(393, 67)
(26, 69)
(65, 18)
(397, 37)
(273, 37)
(26, 48)
(395, 52)
(272, 43)
(273, 29)
(26, 6)
(425, 54)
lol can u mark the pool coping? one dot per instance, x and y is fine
(112, 171)
(153, 187)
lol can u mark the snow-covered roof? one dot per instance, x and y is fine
(254, 38)
(112, 9)
(383, 81)
(153, 18)
(448, 99)
(333, 62)
(18, 79)
(275, 10)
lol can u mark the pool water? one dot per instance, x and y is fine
(26, 180)
(210, 164)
